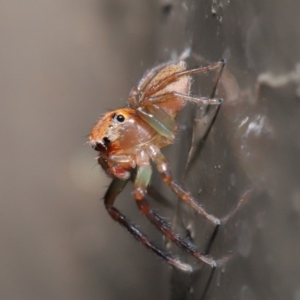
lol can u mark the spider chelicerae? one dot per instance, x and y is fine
(127, 139)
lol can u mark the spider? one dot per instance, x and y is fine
(127, 139)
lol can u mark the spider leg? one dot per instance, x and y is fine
(140, 189)
(150, 74)
(114, 189)
(217, 79)
(155, 194)
(158, 119)
(245, 197)
(196, 149)
(174, 96)
(163, 121)
(162, 166)
(140, 185)
(175, 76)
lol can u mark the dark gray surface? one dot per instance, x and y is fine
(253, 143)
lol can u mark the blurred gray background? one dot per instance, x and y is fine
(64, 63)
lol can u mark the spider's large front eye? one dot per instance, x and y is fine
(120, 118)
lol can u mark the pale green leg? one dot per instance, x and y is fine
(159, 120)
(142, 181)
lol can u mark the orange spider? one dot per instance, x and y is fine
(128, 138)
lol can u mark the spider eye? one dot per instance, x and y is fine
(120, 118)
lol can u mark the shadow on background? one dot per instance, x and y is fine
(63, 64)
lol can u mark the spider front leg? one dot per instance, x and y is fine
(175, 76)
(113, 191)
(174, 96)
(163, 168)
(140, 186)
(150, 74)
